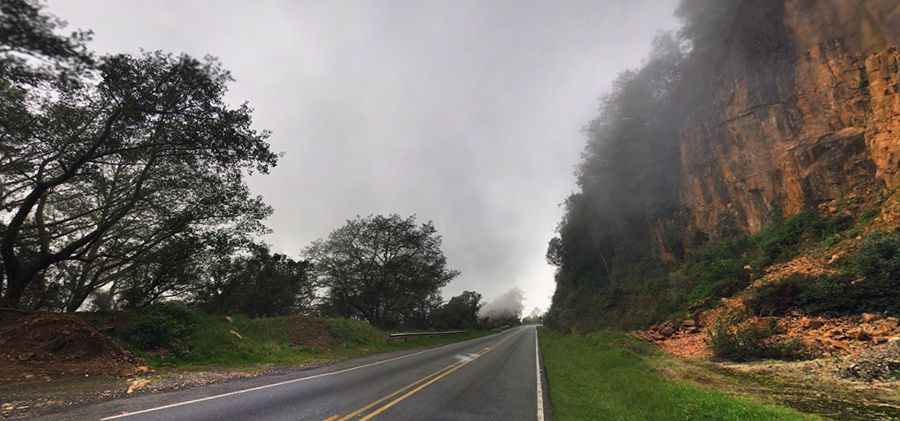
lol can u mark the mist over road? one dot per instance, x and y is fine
(490, 378)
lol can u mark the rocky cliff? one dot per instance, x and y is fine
(804, 118)
(776, 108)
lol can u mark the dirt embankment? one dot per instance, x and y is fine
(52, 361)
(42, 346)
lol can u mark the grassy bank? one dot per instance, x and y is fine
(284, 341)
(610, 376)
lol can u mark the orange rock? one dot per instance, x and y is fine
(868, 317)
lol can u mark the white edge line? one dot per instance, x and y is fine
(540, 388)
(267, 386)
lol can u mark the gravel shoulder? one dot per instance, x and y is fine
(51, 395)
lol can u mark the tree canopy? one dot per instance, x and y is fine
(107, 160)
(461, 312)
(260, 283)
(380, 268)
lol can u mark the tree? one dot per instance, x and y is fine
(628, 181)
(424, 314)
(461, 312)
(114, 157)
(173, 270)
(379, 268)
(258, 284)
(32, 52)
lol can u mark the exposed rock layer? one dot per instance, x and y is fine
(814, 119)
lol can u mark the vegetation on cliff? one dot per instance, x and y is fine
(704, 168)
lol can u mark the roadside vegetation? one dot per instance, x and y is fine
(607, 375)
(172, 335)
(128, 228)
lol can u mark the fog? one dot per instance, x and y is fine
(506, 305)
(467, 113)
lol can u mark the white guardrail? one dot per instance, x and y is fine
(403, 335)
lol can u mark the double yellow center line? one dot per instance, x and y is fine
(404, 392)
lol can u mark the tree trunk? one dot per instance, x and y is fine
(76, 301)
(15, 288)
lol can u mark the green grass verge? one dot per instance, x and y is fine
(273, 341)
(608, 376)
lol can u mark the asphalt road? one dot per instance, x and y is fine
(490, 378)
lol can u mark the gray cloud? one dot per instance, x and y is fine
(467, 113)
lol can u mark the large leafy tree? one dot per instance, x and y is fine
(257, 283)
(107, 159)
(380, 268)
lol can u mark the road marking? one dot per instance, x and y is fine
(267, 386)
(537, 368)
(466, 357)
(395, 393)
(414, 391)
(444, 372)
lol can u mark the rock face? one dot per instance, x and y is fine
(809, 117)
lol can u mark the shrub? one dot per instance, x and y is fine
(164, 325)
(868, 215)
(776, 298)
(350, 332)
(718, 270)
(877, 263)
(878, 257)
(833, 293)
(780, 241)
(735, 336)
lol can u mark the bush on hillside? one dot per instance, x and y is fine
(780, 241)
(165, 325)
(871, 283)
(718, 270)
(878, 257)
(736, 337)
(812, 295)
(877, 265)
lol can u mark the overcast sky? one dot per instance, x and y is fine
(466, 113)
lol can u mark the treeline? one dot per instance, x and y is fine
(122, 185)
(607, 254)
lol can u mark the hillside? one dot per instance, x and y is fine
(738, 204)
(753, 113)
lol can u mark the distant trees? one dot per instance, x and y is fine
(111, 162)
(380, 268)
(461, 312)
(260, 283)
